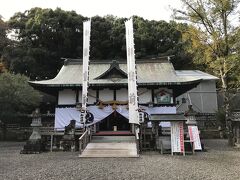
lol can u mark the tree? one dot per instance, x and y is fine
(211, 40)
(44, 36)
(16, 96)
(101, 45)
(159, 38)
(4, 41)
(117, 37)
(3, 35)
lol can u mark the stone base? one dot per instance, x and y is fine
(237, 145)
(67, 145)
(33, 147)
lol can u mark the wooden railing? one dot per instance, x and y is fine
(84, 140)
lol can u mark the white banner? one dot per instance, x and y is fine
(85, 75)
(177, 137)
(132, 77)
(86, 46)
(194, 136)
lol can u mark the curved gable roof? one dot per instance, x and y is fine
(114, 70)
(149, 72)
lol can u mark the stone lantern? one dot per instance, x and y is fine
(34, 144)
(36, 124)
(190, 114)
(235, 116)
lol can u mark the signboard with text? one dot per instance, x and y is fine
(177, 137)
(194, 136)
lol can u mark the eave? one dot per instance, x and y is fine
(178, 88)
(167, 117)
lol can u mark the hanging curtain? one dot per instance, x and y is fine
(63, 116)
(123, 111)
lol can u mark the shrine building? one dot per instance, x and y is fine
(161, 90)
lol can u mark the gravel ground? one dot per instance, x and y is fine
(219, 162)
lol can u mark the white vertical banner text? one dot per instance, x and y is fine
(85, 72)
(132, 77)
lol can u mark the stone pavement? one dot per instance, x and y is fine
(219, 162)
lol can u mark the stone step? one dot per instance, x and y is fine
(114, 133)
(113, 139)
(110, 150)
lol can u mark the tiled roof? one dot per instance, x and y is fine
(196, 73)
(157, 72)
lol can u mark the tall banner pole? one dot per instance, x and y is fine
(85, 72)
(132, 76)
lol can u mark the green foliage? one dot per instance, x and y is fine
(101, 45)
(46, 35)
(210, 39)
(16, 96)
(3, 36)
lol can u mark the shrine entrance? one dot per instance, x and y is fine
(114, 122)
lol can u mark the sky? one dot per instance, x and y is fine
(148, 9)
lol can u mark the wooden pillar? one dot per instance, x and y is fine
(114, 94)
(152, 93)
(97, 95)
(94, 128)
(132, 128)
(238, 133)
(156, 128)
(51, 148)
(77, 95)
